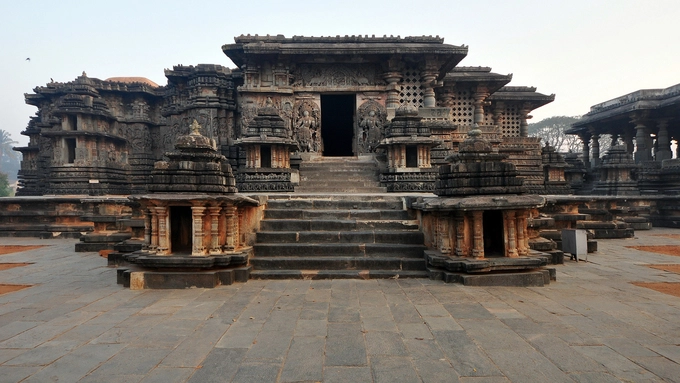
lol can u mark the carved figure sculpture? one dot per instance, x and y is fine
(307, 126)
(371, 122)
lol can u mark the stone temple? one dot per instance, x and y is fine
(317, 157)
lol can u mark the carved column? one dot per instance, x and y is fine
(424, 156)
(461, 246)
(521, 234)
(163, 232)
(477, 234)
(512, 239)
(443, 233)
(664, 152)
(214, 212)
(231, 215)
(197, 230)
(596, 150)
(151, 228)
(479, 97)
(629, 140)
(642, 150)
(392, 79)
(428, 81)
(524, 118)
(585, 139)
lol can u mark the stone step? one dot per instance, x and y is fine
(329, 190)
(337, 204)
(336, 214)
(337, 274)
(341, 184)
(338, 263)
(335, 225)
(337, 249)
(402, 237)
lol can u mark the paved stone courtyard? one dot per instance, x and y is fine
(592, 325)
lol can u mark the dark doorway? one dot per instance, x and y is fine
(337, 124)
(494, 243)
(180, 230)
(265, 156)
(411, 156)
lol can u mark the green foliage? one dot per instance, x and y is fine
(5, 190)
(9, 159)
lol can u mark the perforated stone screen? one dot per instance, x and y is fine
(463, 107)
(510, 122)
(411, 89)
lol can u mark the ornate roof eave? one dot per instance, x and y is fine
(408, 140)
(620, 112)
(281, 46)
(472, 75)
(532, 99)
(255, 140)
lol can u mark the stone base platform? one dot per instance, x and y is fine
(502, 271)
(137, 278)
(145, 270)
(536, 278)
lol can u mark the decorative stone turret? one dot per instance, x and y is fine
(616, 173)
(476, 169)
(408, 142)
(267, 145)
(553, 169)
(575, 171)
(194, 167)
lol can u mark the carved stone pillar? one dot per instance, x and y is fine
(392, 79)
(163, 232)
(151, 229)
(512, 239)
(428, 81)
(197, 230)
(596, 150)
(479, 97)
(629, 140)
(461, 246)
(524, 118)
(585, 139)
(214, 212)
(231, 215)
(522, 240)
(443, 233)
(498, 111)
(664, 145)
(477, 234)
(424, 156)
(642, 150)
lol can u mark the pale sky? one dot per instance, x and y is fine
(584, 51)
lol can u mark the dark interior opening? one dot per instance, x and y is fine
(337, 124)
(494, 243)
(180, 229)
(265, 156)
(70, 150)
(73, 122)
(411, 156)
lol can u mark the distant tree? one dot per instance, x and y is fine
(551, 130)
(5, 190)
(6, 143)
(9, 159)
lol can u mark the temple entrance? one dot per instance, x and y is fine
(180, 230)
(494, 243)
(337, 124)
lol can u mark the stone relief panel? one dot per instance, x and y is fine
(371, 118)
(336, 75)
(307, 125)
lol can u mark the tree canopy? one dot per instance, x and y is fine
(551, 130)
(9, 159)
(5, 190)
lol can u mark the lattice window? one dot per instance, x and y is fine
(411, 89)
(511, 122)
(463, 107)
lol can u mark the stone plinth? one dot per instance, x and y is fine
(615, 173)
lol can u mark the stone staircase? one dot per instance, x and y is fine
(350, 236)
(340, 175)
